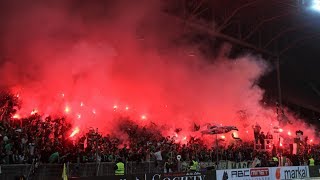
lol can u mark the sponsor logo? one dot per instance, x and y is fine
(255, 173)
(259, 172)
(240, 173)
(296, 173)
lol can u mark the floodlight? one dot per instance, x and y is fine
(315, 5)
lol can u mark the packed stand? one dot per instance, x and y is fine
(39, 140)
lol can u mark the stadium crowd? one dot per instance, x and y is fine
(35, 139)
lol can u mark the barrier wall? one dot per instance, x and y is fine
(45, 171)
(172, 176)
(146, 171)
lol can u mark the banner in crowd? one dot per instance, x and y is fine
(234, 165)
(278, 173)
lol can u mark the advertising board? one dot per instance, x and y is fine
(278, 173)
(291, 172)
(245, 174)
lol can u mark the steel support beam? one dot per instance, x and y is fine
(286, 31)
(297, 41)
(226, 21)
(213, 33)
(265, 21)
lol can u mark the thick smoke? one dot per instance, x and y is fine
(95, 60)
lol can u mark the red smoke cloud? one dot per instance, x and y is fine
(93, 62)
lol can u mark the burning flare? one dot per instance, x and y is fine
(74, 132)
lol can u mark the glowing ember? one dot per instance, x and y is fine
(280, 130)
(289, 133)
(35, 111)
(74, 132)
(143, 117)
(16, 116)
(67, 109)
(235, 134)
(184, 138)
(223, 137)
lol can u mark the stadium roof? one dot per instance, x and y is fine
(288, 29)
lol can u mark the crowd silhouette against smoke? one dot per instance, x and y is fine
(121, 68)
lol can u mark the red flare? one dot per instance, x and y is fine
(74, 132)
(143, 117)
(16, 116)
(35, 111)
(67, 109)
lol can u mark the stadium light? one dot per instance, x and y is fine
(315, 5)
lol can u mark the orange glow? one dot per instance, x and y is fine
(67, 109)
(35, 111)
(175, 134)
(235, 134)
(74, 132)
(223, 137)
(143, 117)
(16, 116)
